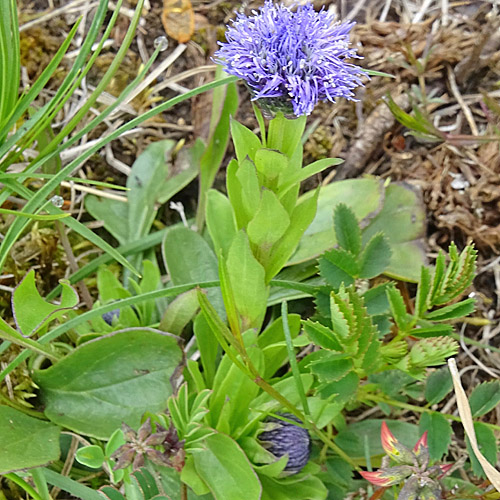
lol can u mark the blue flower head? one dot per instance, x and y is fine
(291, 59)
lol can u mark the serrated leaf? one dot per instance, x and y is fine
(331, 367)
(432, 351)
(423, 291)
(431, 331)
(375, 257)
(438, 385)
(333, 274)
(371, 356)
(347, 229)
(458, 310)
(344, 389)
(439, 437)
(438, 277)
(363, 196)
(455, 279)
(398, 307)
(484, 398)
(322, 336)
(402, 220)
(344, 260)
(340, 324)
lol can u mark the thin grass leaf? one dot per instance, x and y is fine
(293, 359)
(77, 71)
(76, 180)
(34, 216)
(18, 226)
(26, 101)
(10, 73)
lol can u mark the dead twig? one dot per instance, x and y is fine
(369, 138)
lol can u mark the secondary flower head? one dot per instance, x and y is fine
(291, 59)
(286, 438)
(419, 478)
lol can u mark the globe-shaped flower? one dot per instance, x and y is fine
(285, 438)
(291, 59)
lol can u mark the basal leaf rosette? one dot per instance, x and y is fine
(289, 59)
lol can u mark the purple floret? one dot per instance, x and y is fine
(296, 56)
(285, 438)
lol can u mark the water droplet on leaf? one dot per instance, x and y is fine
(57, 201)
(161, 42)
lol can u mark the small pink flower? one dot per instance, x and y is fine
(445, 468)
(421, 444)
(413, 471)
(378, 478)
(397, 451)
(388, 440)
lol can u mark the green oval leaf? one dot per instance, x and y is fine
(91, 456)
(439, 437)
(110, 380)
(26, 441)
(438, 385)
(484, 398)
(347, 228)
(226, 469)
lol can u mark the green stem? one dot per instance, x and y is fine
(473, 342)
(292, 358)
(184, 492)
(23, 484)
(8, 333)
(419, 409)
(40, 483)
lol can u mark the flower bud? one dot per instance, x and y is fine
(285, 438)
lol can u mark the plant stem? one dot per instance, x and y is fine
(40, 483)
(382, 399)
(23, 484)
(184, 491)
(293, 360)
(84, 291)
